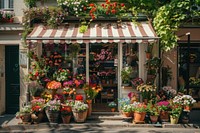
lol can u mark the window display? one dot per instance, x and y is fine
(189, 70)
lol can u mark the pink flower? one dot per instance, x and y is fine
(163, 103)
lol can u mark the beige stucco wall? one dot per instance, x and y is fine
(2, 79)
(18, 10)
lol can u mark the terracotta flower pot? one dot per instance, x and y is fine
(154, 118)
(112, 109)
(127, 114)
(139, 116)
(66, 119)
(164, 116)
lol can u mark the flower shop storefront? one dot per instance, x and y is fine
(97, 56)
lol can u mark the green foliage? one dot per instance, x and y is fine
(30, 3)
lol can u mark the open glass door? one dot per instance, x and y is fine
(102, 70)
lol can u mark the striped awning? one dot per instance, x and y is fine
(97, 33)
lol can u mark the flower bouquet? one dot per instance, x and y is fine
(146, 90)
(53, 85)
(61, 75)
(91, 90)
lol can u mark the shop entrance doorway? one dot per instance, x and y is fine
(12, 79)
(103, 70)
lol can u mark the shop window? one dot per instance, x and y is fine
(130, 70)
(6, 4)
(189, 71)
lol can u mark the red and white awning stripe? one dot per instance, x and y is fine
(96, 33)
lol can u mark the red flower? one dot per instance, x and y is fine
(102, 5)
(113, 11)
(91, 5)
(79, 97)
(122, 4)
(84, 8)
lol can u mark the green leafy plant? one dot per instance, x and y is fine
(126, 74)
(152, 109)
(74, 49)
(127, 108)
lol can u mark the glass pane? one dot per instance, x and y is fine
(1, 4)
(130, 70)
(10, 3)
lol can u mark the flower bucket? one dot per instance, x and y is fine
(164, 116)
(139, 116)
(80, 116)
(66, 119)
(53, 116)
(173, 120)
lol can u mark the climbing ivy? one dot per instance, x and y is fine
(167, 16)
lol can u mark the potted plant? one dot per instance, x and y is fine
(112, 105)
(149, 50)
(175, 113)
(126, 75)
(24, 114)
(185, 100)
(66, 111)
(163, 106)
(127, 110)
(52, 110)
(153, 112)
(79, 110)
(152, 66)
(139, 112)
(37, 105)
(137, 81)
(122, 102)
